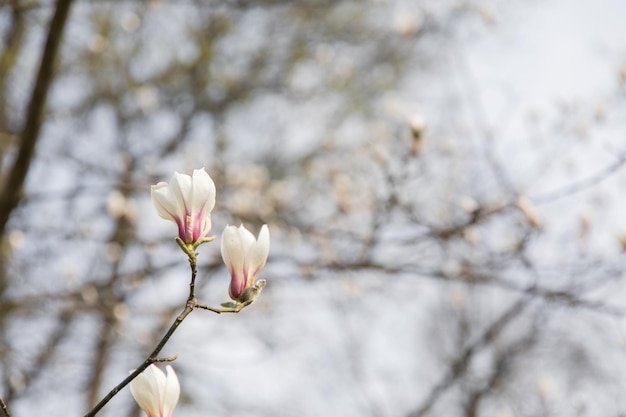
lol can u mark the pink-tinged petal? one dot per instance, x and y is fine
(234, 258)
(171, 392)
(244, 256)
(237, 287)
(187, 201)
(200, 227)
(257, 257)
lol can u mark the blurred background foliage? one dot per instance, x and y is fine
(423, 262)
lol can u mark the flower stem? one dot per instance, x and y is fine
(194, 272)
(153, 357)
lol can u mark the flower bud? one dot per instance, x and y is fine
(156, 393)
(187, 201)
(244, 256)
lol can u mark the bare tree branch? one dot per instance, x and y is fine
(462, 362)
(12, 190)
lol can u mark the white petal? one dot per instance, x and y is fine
(247, 239)
(231, 249)
(180, 189)
(162, 201)
(146, 389)
(225, 254)
(257, 257)
(202, 193)
(172, 392)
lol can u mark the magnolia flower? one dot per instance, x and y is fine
(244, 256)
(187, 201)
(156, 393)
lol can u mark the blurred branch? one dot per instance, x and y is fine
(122, 234)
(501, 370)
(566, 297)
(19, 6)
(462, 362)
(57, 336)
(582, 184)
(479, 114)
(4, 408)
(13, 42)
(153, 357)
(11, 193)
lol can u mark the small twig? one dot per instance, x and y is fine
(247, 298)
(4, 408)
(192, 303)
(235, 309)
(149, 361)
(168, 359)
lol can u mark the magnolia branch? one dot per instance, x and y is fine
(190, 305)
(187, 201)
(152, 358)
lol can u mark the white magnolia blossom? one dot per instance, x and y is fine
(187, 201)
(244, 256)
(156, 393)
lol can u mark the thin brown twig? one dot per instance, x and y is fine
(235, 309)
(168, 359)
(192, 303)
(153, 357)
(149, 361)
